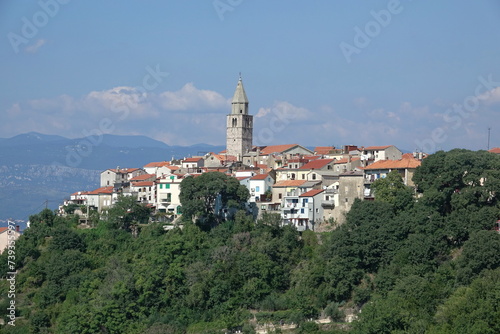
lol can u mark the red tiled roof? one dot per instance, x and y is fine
(375, 148)
(290, 183)
(143, 184)
(345, 160)
(312, 157)
(173, 167)
(143, 177)
(224, 157)
(223, 152)
(276, 148)
(312, 193)
(317, 164)
(102, 190)
(495, 150)
(394, 164)
(157, 164)
(3, 229)
(260, 177)
(240, 178)
(192, 159)
(78, 193)
(323, 149)
(408, 156)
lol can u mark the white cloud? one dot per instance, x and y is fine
(284, 111)
(191, 98)
(35, 47)
(490, 97)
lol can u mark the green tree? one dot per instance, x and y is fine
(471, 177)
(206, 196)
(392, 190)
(127, 211)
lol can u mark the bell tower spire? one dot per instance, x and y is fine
(239, 124)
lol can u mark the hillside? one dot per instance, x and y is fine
(397, 266)
(36, 167)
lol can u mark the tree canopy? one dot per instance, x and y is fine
(206, 197)
(417, 269)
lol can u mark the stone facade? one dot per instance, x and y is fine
(239, 125)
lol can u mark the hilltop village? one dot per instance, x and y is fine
(306, 187)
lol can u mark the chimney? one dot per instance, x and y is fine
(17, 228)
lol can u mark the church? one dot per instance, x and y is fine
(239, 131)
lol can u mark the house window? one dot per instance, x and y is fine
(302, 210)
(167, 186)
(293, 176)
(347, 200)
(314, 176)
(169, 197)
(257, 188)
(317, 210)
(304, 200)
(279, 196)
(303, 176)
(108, 183)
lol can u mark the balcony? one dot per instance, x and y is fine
(328, 204)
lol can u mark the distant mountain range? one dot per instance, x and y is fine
(35, 168)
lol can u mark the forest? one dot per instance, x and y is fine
(412, 261)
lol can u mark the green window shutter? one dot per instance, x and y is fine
(167, 186)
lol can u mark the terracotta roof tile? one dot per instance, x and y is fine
(495, 150)
(276, 148)
(323, 149)
(312, 193)
(290, 183)
(260, 177)
(143, 177)
(375, 148)
(143, 184)
(192, 159)
(394, 164)
(102, 190)
(157, 164)
(317, 164)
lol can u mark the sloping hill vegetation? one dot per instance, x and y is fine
(428, 265)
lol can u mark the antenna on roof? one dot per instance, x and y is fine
(489, 129)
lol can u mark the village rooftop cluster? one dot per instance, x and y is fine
(306, 187)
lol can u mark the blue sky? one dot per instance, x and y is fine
(416, 74)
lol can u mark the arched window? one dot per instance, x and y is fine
(235, 122)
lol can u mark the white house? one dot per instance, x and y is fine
(167, 193)
(258, 185)
(303, 210)
(158, 168)
(119, 176)
(100, 198)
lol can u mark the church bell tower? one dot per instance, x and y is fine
(239, 125)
